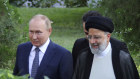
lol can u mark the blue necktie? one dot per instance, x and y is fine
(35, 64)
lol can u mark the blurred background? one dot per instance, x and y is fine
(67, 24)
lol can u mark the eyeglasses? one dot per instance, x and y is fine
(94, 37)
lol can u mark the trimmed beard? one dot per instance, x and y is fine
(100, 49)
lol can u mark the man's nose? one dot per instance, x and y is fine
(92, 40)
(34, 36)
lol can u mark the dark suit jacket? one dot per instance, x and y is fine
(83, 43)
(123, 64)
(56, 64)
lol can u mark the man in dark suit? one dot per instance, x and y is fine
(103, 59)
(83, 43)
(41, 57)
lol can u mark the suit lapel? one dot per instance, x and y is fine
(46, 58)
(26, 54)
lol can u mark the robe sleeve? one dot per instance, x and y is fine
(128, 66)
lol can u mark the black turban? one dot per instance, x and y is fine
(99, 22)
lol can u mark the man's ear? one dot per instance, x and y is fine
(50, 31)
(108, 36)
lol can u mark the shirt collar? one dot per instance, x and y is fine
(42, 48)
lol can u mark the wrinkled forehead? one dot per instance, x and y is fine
(35, 22)
(37, 25)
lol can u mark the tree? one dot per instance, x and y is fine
(8, 18)
(8, 33)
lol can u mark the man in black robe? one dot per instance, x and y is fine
(103, 59)
(83, 43)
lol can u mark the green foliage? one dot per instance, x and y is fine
(8, 33)
(34, 3)
(7, 56)
(5, 21)
(8, 20)
(61, 17)
(49, 3)
(7, 74)
(76, 3)
(138, 69)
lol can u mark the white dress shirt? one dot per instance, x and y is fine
(42, 51)
(102, 65)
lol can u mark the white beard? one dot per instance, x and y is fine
(100, 49)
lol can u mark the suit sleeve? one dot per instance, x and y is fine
(66, 66)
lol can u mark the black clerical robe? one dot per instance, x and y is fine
(123, 64)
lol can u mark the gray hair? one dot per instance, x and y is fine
(44, 18)
(106, 33)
